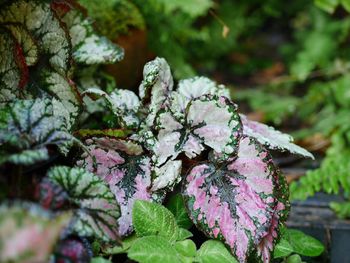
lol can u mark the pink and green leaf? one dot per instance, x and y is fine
(234, 202)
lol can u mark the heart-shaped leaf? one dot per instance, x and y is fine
(97, 211)
(235, 201)
(122, 165)
(88, 48)
(210, 120)
(27, 127)
(272, 138)
(28, 233)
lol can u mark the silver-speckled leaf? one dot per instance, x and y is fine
(234, 202)
(45, 28)
(13, 69)
(88, 47)
(123, 103)
(156, 86)
(27, 127)
(210, 120)
(28, 233)
(125, 168)
(97, 210)
(193, 88)
(271, 138)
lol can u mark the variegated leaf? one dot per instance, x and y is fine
(26, 42)
(167, 176)
(28, 233)
(66, 101)
(88, 48)
(271, 138)
(210, 120)
(123, 103)
(123, 165)
(234, 202)
(97, 210)
(156, 86)
(13, 69)
(192, 88)
(267, 244)
(27, 127)
(45, 27)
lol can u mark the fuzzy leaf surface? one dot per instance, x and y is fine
(213, 251)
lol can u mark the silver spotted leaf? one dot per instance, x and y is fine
(156, 87)
(210, 121)
(234, 202)
(29, 233)
(192, 88)
(271, 138)
(45, 27)
(97, 210)
(25, 40)
(13, 69)
(123, 165)
(65, 97)
(88, 47)
(123, 103)
(27, 127)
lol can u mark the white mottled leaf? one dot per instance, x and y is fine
(167, 176)
(235, 202)
(124, 167)
(123, 103)
(156, 86)
(28, 233)
(272, 138)
(97, 211)
(193, 88)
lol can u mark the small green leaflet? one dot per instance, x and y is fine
(153, 249)
(28, 233)
(186, 248)
(97, 211)
(26, 128)
(282, 249)
(176, 205)
(153, 219)
(213, 251)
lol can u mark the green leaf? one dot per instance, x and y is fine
(100, 260)
(177, 206)
(183, 234)
(28, 233)
(327, 5)
(282, 249)
(114, 133)
(186, 248)
(153, 249)
(294, 259)
(97, 210)
(153, 219)
(126, 244)
(213, 251)
(303, 244)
